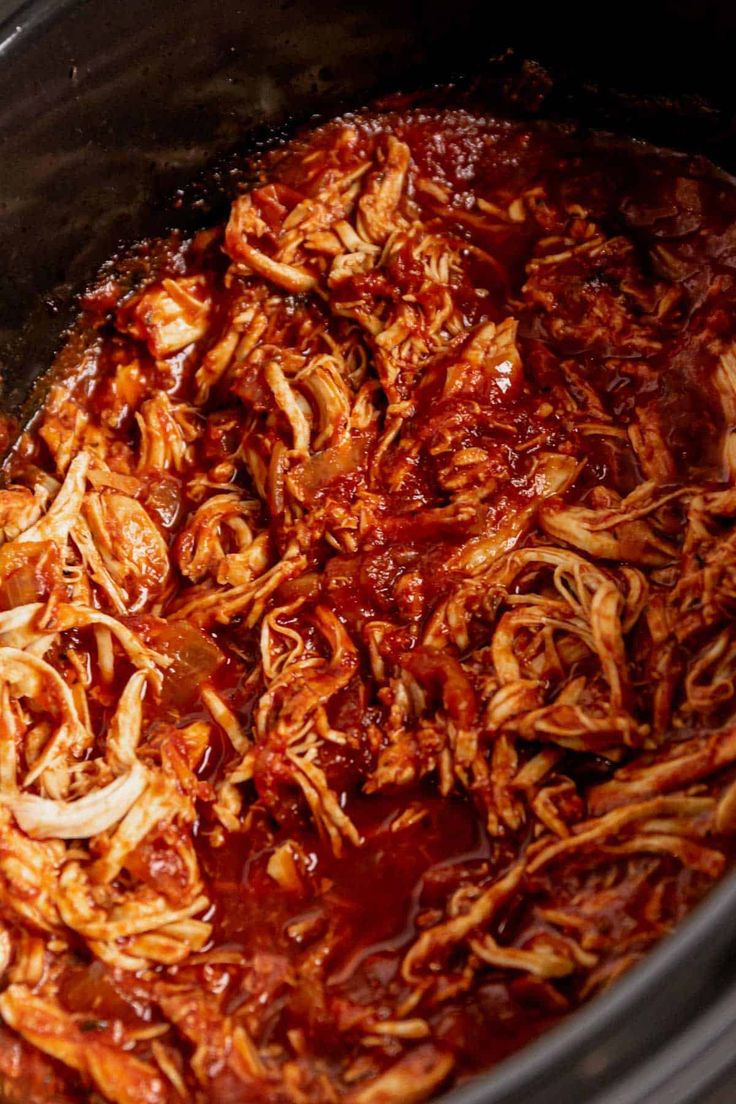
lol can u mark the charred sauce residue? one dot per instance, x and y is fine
(367, 620)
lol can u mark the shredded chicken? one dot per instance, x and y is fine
(367, 605)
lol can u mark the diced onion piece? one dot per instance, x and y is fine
(20, 588)
(194, 658)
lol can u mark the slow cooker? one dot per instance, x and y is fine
(110, 114)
